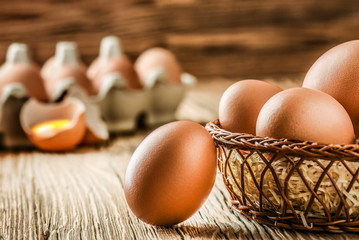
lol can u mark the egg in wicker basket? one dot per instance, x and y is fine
(290, 184)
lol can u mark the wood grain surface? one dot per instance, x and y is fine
(79, 194)
(227, 38)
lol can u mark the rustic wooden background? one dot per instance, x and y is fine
(231, 38)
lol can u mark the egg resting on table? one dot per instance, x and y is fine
(241, 102)
(171, 173)
(306, 115)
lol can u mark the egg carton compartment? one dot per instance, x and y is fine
(12, 99)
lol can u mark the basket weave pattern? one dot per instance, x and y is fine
(289, 184)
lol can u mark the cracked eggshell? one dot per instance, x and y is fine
(157, 60)
(171, 173)
(241, 102)
(306, 115)
(18, 68)
(34, 112)
(336, 73)
(96, 129)
(112, 61)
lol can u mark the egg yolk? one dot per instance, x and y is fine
(51, 127)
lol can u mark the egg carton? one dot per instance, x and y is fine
(115, 108)
(122, 109)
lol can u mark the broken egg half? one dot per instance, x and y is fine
(54, 127)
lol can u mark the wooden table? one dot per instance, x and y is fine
(79, 195)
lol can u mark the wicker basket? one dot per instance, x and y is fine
(290, 184)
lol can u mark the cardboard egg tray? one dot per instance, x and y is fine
(114, 109)
(120, 109)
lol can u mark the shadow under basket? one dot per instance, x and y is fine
(290, 184)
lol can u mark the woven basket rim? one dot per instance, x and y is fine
(246, 141)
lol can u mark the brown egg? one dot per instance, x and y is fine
(63, 66)
(66, 72)
(306, 115)
(241, 102)
(18, 68)
(171, 173)
(52, 63)
(54, 127)
(120, 65)
(50, 66)
(111, 60)
(158, 59)
(336, 72)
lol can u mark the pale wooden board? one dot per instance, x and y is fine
(79, 195)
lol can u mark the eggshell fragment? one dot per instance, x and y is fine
(71, 109)
(336, 72)
(96, 127)
(241, 102)
(171, 173)
(306, 115)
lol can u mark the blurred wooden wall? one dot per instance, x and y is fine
(230, 38)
